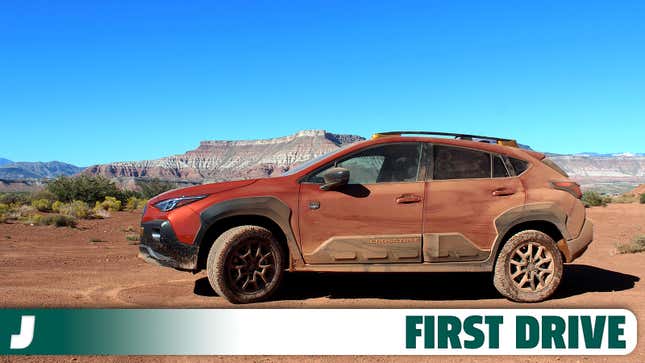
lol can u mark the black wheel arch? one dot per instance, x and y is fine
(544, 217)
(268, 212)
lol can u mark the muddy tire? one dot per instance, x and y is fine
(245, 264)
(529, 267)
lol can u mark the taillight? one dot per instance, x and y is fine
(568, 186)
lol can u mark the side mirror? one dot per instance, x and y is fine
(335, 178)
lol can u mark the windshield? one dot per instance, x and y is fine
(311, 162)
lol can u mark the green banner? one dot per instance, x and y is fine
(317, 331)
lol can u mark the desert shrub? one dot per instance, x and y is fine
(43, 205)
(15, 211)
(86, 188)
(57, 220)
(109, 204)
(642, 198)
(100, 213)
(18, 198)
(21, 211)
(10, 212)
(77, 209)
(56, 206)
(625, 198)
(64, 221)
(27, 215)
(152, 187)
(595, 199)
(43, 194)
(637, 245)
(134, 203)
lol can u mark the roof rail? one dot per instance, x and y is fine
(489, 139)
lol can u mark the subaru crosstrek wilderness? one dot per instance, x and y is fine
(390, 204)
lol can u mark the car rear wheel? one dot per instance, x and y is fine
(245, 264)
(529, 267)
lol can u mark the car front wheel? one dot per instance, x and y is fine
(529, 267)
(245, 264)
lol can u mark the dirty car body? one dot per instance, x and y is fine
(394, 203)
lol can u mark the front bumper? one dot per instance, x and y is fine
(577, 246)
(160, 246)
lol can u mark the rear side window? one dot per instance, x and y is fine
(519, 165)
(499, 169)
(460, 163)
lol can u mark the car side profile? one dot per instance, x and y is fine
(400, 202)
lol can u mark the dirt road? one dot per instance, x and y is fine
(61, 267)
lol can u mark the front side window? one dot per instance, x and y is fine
(459, 163)
(381, 164)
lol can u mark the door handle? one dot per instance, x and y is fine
(408, 198)
(500, 192)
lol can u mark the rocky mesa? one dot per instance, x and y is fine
(226, 160)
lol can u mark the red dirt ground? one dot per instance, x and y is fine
(59, 267)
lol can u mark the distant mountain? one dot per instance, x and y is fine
(4, 161)
(37, 170)
(602, 166)
(226, 160)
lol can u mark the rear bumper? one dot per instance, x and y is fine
(160, 246)
(577, 246)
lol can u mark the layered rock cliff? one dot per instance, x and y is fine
(225, 160)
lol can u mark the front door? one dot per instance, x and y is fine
(375, 218)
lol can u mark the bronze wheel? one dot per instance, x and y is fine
(251, 266)
(529, 267)
(245, 264)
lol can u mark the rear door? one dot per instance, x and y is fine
(467, 190)
(376, 218)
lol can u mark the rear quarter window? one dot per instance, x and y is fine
(519, 165)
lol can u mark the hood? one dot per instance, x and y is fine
(202, 189)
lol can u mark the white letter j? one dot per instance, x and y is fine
(23, 340)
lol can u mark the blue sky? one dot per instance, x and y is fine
(90, 82)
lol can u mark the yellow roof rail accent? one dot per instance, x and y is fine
(512, 143)
(378, 136)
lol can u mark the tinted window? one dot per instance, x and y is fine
(459, 163)
(499, 170)
(520, 166)
(383, 164)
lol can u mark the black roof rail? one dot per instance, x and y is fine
(495, 140)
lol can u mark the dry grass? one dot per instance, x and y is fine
(625, 198)
(637, 245)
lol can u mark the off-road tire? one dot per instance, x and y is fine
(514, 257)
(229, 251)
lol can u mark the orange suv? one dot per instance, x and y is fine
(394, 203)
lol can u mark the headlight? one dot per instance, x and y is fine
(170, 204)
